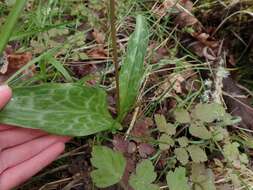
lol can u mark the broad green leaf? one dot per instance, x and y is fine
(208, 112)
(144, 176)
(177, 180)
(202, 178)
(182, 155)
(110, 166)
(200, 131)
(182, 116)
(132, 70)
(65, 109)
(165, 142)
(197, 154)
(183, 141)
(163, 126)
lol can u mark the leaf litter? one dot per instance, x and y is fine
(188, 121)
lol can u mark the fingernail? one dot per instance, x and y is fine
(4, 87)
(5, 90)
(5, 95)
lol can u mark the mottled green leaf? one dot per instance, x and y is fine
(197, 154)
(163, 126)
(144, 176)
(65, 109)
(182, 116)
(177, 180)
(202, 178)
(165, 142)
(110, 166)
(200, 131)
(208, 112)
(182, 155)
(132, 70)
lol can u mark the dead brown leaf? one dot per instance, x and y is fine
(146, 150)
(13, 62)
(237, 103)
(184, 19)
(120, 144)
(97, 53)
(98, 36)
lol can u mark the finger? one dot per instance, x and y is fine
(17, 136)
(18, 154)
(5, 95)
(20, 173)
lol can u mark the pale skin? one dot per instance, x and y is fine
(24, 152)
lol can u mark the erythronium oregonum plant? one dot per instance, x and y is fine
(75, 110)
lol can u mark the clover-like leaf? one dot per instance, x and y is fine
(183, 141)
(197, 154)
(177, 180)
(165, 142)
(182, 155)
(200, 131)
(144, 177)
(231, 151)
(110, 166)
(202, 177)
(131, 73)
(208, 112)
(65, 109)
(182, 116)
(163, 126)
(220, 134)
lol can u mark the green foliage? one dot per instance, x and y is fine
(131, 73)
(7, 28)
(110, 166)
(182, 116)
(177, 180)
(163, 126)
(165, 142)
(202, 178)
(144, 176)
(59, 67)
(208, 112)
(183, 141)
(182, 155)
(233, 155)
(66, 109)
(197, 154)
(200, 131)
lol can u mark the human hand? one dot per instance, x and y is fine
(24, 152)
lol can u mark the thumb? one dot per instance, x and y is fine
(5, 95)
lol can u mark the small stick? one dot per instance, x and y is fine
(114, 51)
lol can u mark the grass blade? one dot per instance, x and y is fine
(10, 23)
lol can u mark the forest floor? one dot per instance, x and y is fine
(199, 52)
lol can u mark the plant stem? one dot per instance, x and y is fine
(10, 23)
(114, 51)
